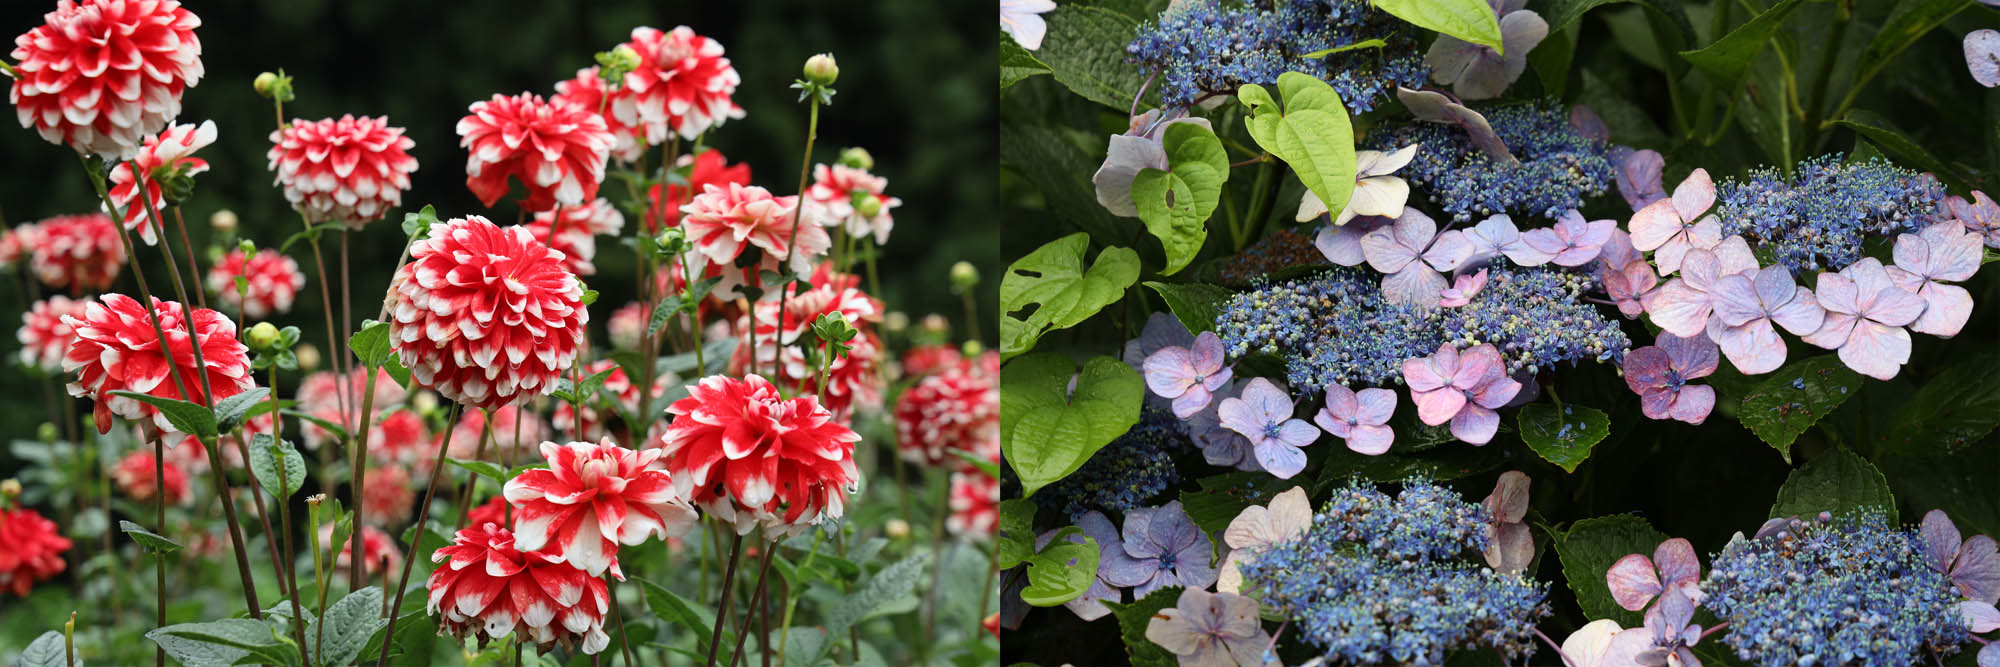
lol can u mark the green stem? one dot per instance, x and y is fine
(416, 533)
(791, 245)
(727, 595)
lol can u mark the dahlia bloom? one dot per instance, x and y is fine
(492, 584)
(99, 75)
(44, 336)
(851, 379)
(350, 170)
(588, 91)
(575, 236)
(34, 549)
(682, 84)
(555, 148)
(485, 315)
(975, 505)
(594, 497)
(743, 453)
(664, 202)
(274, 281)
(927, 359)
(956, 409)
(386, 496)
(134, 476)
(628, 325)
(399, 437)
(724, 221)
(81, 252)
(376, 546)
(160, 158)
(116, 349)
(494, 511)
(831, 201)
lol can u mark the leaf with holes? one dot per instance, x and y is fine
(1175, 204)
(1053, 281)
(1061, 571)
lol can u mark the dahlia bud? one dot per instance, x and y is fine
(47, 433)
(613, 65)
(897, 529)
(867, 205)
(671, 242)
(264, 83)
(964, 276)
(936, 324)
(821, 69)
(10, 488)
(276, 86)
(261, 337)
(972, 348)
(896, 321)
(248, 246)
(857, 158)
(223, 220)
(308, 356)
(834, 327)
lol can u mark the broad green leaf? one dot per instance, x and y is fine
(1085, 50)
(338, 432)
(1046, 432)
(1728, 57)
(1132, 621)
(1562, 435)
(249, 638)
(1551, 61)
(1310, 132)
(1839, 481)
(264, 457)
(1469, 20)
(1960, 484)
(1587, 551)
(149, 540)
(1175, 204)
(673, 608)
(371, 343)
(1224, 496)
(46, 651)
(894, 581)
(1062, 570)
(1196, 305)
(1877, 129)
(1795, 397)
(977, 461)
(1017, 532)
(1054, 282)
(1952, 411)
(337, 637)
(491, 471)
(230, 412)
(1017, 63)
(190, 418)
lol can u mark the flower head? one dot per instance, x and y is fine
(1635, 579)
(1659, 374)
(594, 497)
(273, 280)
(1973, 564)
(833, 201)
(1477, 72)
(34, 549)
(1925, 261)
(1129, 472)
(683, 84)
(1206, 628)
(378, 550)
(1461, 388)
(1258, 527)
(1187, 375)
(348, 170)
(1198, 49)
(492, 584)
(1571, 241)
(44, 335)
(1412, 257)
(1360, 418)
(1865, 316)
(134, 476)
(1981, 216)
(1827, 210)
(1670, 227)
(386, 496)
(1520, 159)
(81, 252)
(1334, 327)
(575, 235)
(162, 156)
(1684, 305)
(554, 148)
(1377, 191)
(723, 221)
(1462, 289)
(589, 91)
(1747, 304)
(974, 504)
(1639, 177)
(1264, 415)
(1161, 547)
(957, 409)
(739, 451)
(99, 75)
(116, 349)
(664, 202)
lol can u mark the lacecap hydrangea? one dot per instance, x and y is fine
(1537, 317)
(1377, 579)
(1334, 327)
(1205, 49)
(1124, 474)
(1559, 166)
(1819, 218)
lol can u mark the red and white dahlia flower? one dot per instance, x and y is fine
(81, 252)
(163, 156)
(831, 201)
(724, 220)
(975, 505)
(134, 476)
(100, 75)
(350, 170)
(592, 498)
(274, 281)
(44, 336)
(958, 409)
(664, 202)
(399, 437)
(484, 314)
(555, 148)
(493, 585)
(34, 549)
(682, 84)
(745, 454)
(576, 236)
(116, 349)
(588, 91)
(494, 511)
(628, 324)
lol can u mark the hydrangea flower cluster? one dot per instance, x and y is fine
(1380, 579)
(1124, 474)
(1834, 591)
(1205, 49)
(1819, 218)
(1537, 317)
(1558, 166)
(1296, 320)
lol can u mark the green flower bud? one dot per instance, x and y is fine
(10, 488)
(264, 83)
(936, 324)
(857, 158)
(896, 321)
(261, 336)
(48, 432)
(964, 276)
(973, 347)
(867, 205)
(821, 69)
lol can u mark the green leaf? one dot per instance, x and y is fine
(1877, 129)
(673, 608)
(191, 418)
(1175, 204)
(1046, 432)
(1911, 20)
(1587, 551)
(1564, 13)
(1311, 132)
(1061, 170)
(1955, 409)
(1053, 281)
(1224, 496)
(1730, 56)
(1132, 621)
(47, 650)
(1363, 44)
(347, 627)
(1017, 532)
(1469, 20)
(1562, 435)
(1836, 482)
(1017, 63)
(484, 469)
(1085, 50)
(230, 412)
(371, 343)
(1960, 484)
(1794, 398)
(1196, 305)
(264, 457)
(978, 462)
(241, 636)
(149, 540)
(1061, 571)
(419, 222)
(394, 367)
(338, 432)
(894, 581)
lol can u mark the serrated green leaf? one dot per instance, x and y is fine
(1084, 49)
(1587, 551)
(253, 639)
(346, 628)
(1794, 398)
(1469, 20)
(1839, 481)
(1054, 282)
(46, 651)
(1017, 63)
(1132, 621)
(894, 581)
(1016, 534)
(1175, 204)
(1727, 58)
(1950, 412)
(1047, 432)
(1196, 305)
(230, 412)
(1310, 131)
(1564, 435)
(484, 469)
(1062, 570)
(1878, 129)
(673, 608)
(265, 455)
(149, 540)
(371, 343)
(190, 418)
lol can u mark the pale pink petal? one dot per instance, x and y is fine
(1415, 284)
(1753, 348)
(1833, 331)
(1633, 582)
(1384, 253)
(1676, 560)
(1449, 251)
(1693, 404)
(1802, 315)
(1876, 350)
(1941, 539)
(1652, 225)
(1342, 244)
(1947, 308)
(1475, 425)
(1680, 308)
(1371, 439)
(1170, 371)
(1376, 405)
(1838, 294)
(1694, 195)
(1438, 407)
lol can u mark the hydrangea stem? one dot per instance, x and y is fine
(416, 534)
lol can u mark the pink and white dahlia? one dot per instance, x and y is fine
(134, 476)
(116, 349)
(386, 496)
(400, 437)
(682, 84)
(975, 505)
(81, 252)
(484, 314)
(836, 191)
(321, 396)
(588, 91)
(347, 170)
(274, 280)
(725, 219)
(555, 148)
(592, 498)
(664, 201)
(954, 410)
(576, 235)
(162, 157)
(628, 325)
(748, 456)
(853, 379)
(99, 75)
(491, 584)
(44, 336)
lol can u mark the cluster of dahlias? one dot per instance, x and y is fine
(776, 331)
(270, 280)
(955, 407)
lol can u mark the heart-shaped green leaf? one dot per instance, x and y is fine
(1310, 132)
(1469, 20)
(1794, 398)
(1047, 432)
(1836, 482)
(1061, 571)
(1053, 282)
(1565, 434)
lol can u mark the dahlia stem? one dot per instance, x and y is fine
(335, 352)
(728, 595)
(416, 532)
(792, 601)
(160, 559)
(287, 586)
(320, 573)
(618, 617)
(347, 316)
(360, 467)
(792, 245)
(756, 601)
(285, 521)
(194, 270)
(971, 313)
(694, 323)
